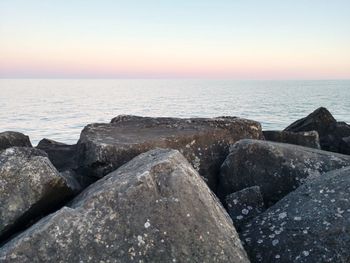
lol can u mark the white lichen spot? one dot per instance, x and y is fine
(147, 224)
(275, 242)
(282, 215)
(245, 211)
(140, 240)
(306, 253)
(277, 256)
(297, 218)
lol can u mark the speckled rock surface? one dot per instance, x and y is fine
(330, 131)
(62, 156)
(204, 142)
(29, 187)
(244, 205)
(311, 224)
(156, 208)
(276, 167)
(307, 139)
(11, 139)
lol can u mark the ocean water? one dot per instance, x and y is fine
(59, 108)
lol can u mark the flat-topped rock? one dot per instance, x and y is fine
(203, 141)
(12, 139)
(330, 131)
(62, 156)
(156, 208)
(29, 187)
(310, 225)
(307, 139)
(244, 205)
(277, 168)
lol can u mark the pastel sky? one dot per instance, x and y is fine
(238, 39)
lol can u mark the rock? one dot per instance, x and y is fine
(311, 224)
(244, 205)
(276, 167)
(155, 208)
(330, 131)
(345, 145)
(11, 139)
(29, 187)
(204, 142)
(307, 139)
(62, 156)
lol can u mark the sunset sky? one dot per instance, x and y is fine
(237, 39)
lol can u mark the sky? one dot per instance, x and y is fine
(231, 39)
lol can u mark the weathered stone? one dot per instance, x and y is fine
(311, 224)
(156, 208)
(345, 145)
(244, 205)
(62, 156)
(330, 131)
(277, 168)
(307, 139)
(204, 142)
(11, 139)
(29, 187)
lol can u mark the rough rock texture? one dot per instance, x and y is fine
(29, 187)
(11, 139)
(204, 142)
(330, 131)
(62, 156)
(244, 205)
(311, 224)
(276, 167)
(307, 139)
(156, 208)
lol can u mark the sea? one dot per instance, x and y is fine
(58, 109)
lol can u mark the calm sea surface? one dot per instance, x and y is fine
(59, 109)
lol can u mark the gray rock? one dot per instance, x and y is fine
(311, 224)
(244, 205)
(276, 167)
(29, 187)
(330, 131)
(204, 142)
(156, 208)
(11, 139)
(307, 139)
(62, 156)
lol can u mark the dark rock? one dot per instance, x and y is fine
(330, 131)
(311, 224)
(11, 139)
(307, 139)
(29, 187)
(345, 145)
(277, 168)
(62, 156)
(319, 121)
(244, 205)
(204, 142)
(156, 208)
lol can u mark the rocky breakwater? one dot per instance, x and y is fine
(140, 189)
(204, 142)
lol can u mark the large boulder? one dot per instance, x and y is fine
(330, 131)
(29, 187)
(204, 142)
(62, 156)
(156, 208)
(277, 168)
(311, 224)
(307, 139)
(11, 139)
